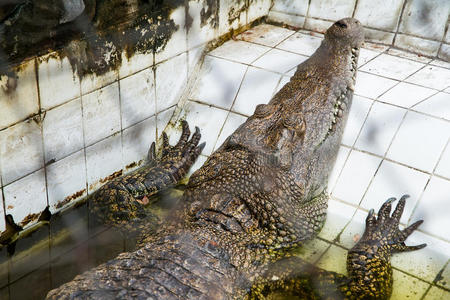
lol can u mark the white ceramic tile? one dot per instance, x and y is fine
(436, 293)
(416, 44)
(355, 177)
(392, 66)
(279, 61)
(424, 263)
(171, 79)
(257, 9)
(282, 83)
(443, 167)
(199, 32)
(406, 94)
(137, 97)
(394, 180)
(91, 82)
(136, 141)
(102, 160)
(20, 150)
(431, 76)
(26, 196)
(357, 115)
(2, 213)
(433, 208)
(338, 215)
(372, 86)
(317, 25)
(444, 52)
(440, 63)
(407, 287)
(101, 113)
(58, 82)
(379, 13)
(425, 18)
(334, 260)
(257, 87)
(162, 120)
(338, 165)
(209, 119)
(419, 141)
(378, 36)
(135, 63)
(218, 82)
(194, 59)
(63, 130)
(232, 15)
(438, 105)
(19, 95)
(354, 230)
(409, 55)
(301, 43)
(177, 42)
(232, 122)
(379, 128)
(66, 181)
(292, 7)
(331, 9)
(239, 51)
(291, 20)
(366, 55)
(265, 34)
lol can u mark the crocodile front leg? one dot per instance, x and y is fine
(122, 201)
(368, 265)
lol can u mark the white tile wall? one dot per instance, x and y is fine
(385, 16)
(232, 14)
(198, 33)
(257, 9)
(18, 95)
(291, 7)
(177, 42)
(331, 9)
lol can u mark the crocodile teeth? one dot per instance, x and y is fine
(354, 50)
(339, 114)
(334, 119)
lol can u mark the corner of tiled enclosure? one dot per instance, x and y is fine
(63, 134)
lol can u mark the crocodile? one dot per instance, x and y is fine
(260, 195)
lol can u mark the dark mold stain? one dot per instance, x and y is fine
(29, 218)
(110, 177)
(70, 198)
(239, 7)
(210, 13)
(92, 35)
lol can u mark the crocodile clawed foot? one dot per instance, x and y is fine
(383, 230)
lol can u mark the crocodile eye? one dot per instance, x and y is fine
(341, 24)
(264, 110)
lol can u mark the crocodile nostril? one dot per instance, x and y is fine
(341, 24)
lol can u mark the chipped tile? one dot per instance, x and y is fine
(433, 208)
(218, 82)
(257, 88)
(20, 150)
(357, 115)
(101, 113)
(66, 181)
(379, 128)
(26, 198)
(419, 141)
(392, 66)
(301, 43)
(232, 122)
(407, 287)
(63, 130)
(372, 86)
(102, 160)
(58, 82)
(338, 216)
(239, 51)
(355, 177)
(406, 94)
(266, 34)
(279, 61)
(136, 141)
(438, 105)
(19, 95)
(171, 79)
(209, 126)
(331, 9)
(137, 97)
(384, 17)
(394, 180)
(432, 77)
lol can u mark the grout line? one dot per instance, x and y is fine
(354, 8)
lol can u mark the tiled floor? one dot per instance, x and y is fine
(396, 142)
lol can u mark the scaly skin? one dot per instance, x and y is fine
(262, 193)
